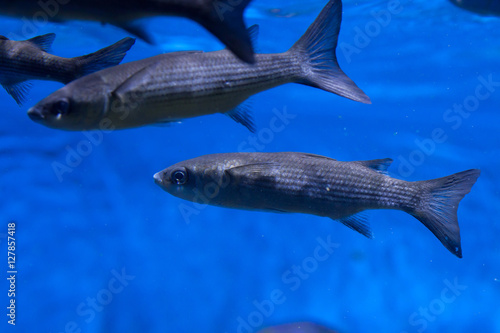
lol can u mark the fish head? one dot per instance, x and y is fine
(71, 109)
(199, 180)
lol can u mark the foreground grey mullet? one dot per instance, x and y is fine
(318, 185)
(180, 85)
(21, 61)
(223, 18)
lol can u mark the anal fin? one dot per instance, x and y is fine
(359, 223)
(243, 115)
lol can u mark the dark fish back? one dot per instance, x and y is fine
(317, 185)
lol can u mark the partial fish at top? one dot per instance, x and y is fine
(483, 7)
(174, 86)
(21, 61)
(223, 18)
(300, 327)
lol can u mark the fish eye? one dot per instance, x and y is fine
(179, 177)
(60, 107)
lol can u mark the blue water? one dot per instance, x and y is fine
(219, 270)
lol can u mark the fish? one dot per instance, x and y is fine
(222, 18)
(300, 327)
(483, 7)
(174, 86)
(21, 61)
(290, 182)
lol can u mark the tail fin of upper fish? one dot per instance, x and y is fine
(225, 21)
(316, 48)
(438, 209)
(106, 57)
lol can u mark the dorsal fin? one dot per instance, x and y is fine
(380, 165)
(43, 42)
(309, 155)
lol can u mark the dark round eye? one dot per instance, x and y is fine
(179, 177)
(60, 107)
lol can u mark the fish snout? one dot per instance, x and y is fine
(36, 114)
(158, 178)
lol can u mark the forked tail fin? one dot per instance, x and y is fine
(438, 209)
(316, 48)
(104, 58)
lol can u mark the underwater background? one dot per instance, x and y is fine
(219, 270)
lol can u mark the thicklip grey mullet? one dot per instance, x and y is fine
(25, 60)
(179, 85)
(311, 184)
(223, 18)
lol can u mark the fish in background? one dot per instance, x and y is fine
(21, 61)
(311, 184)
(170, 87)
(223, 18)
(300, 327)
(483, 7)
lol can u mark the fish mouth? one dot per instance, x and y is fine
(157, 178)
(36, 115)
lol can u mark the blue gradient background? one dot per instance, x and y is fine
(108, 215)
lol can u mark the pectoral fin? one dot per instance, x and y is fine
(134, 81)
(264, 168)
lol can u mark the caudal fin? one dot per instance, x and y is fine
(104, 58)
(316, 48)
(225, 21)
(438, 209)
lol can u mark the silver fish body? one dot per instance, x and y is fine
(21, 61)
(312, 184)
(159, 92)
(223, 18)
(181, 85)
